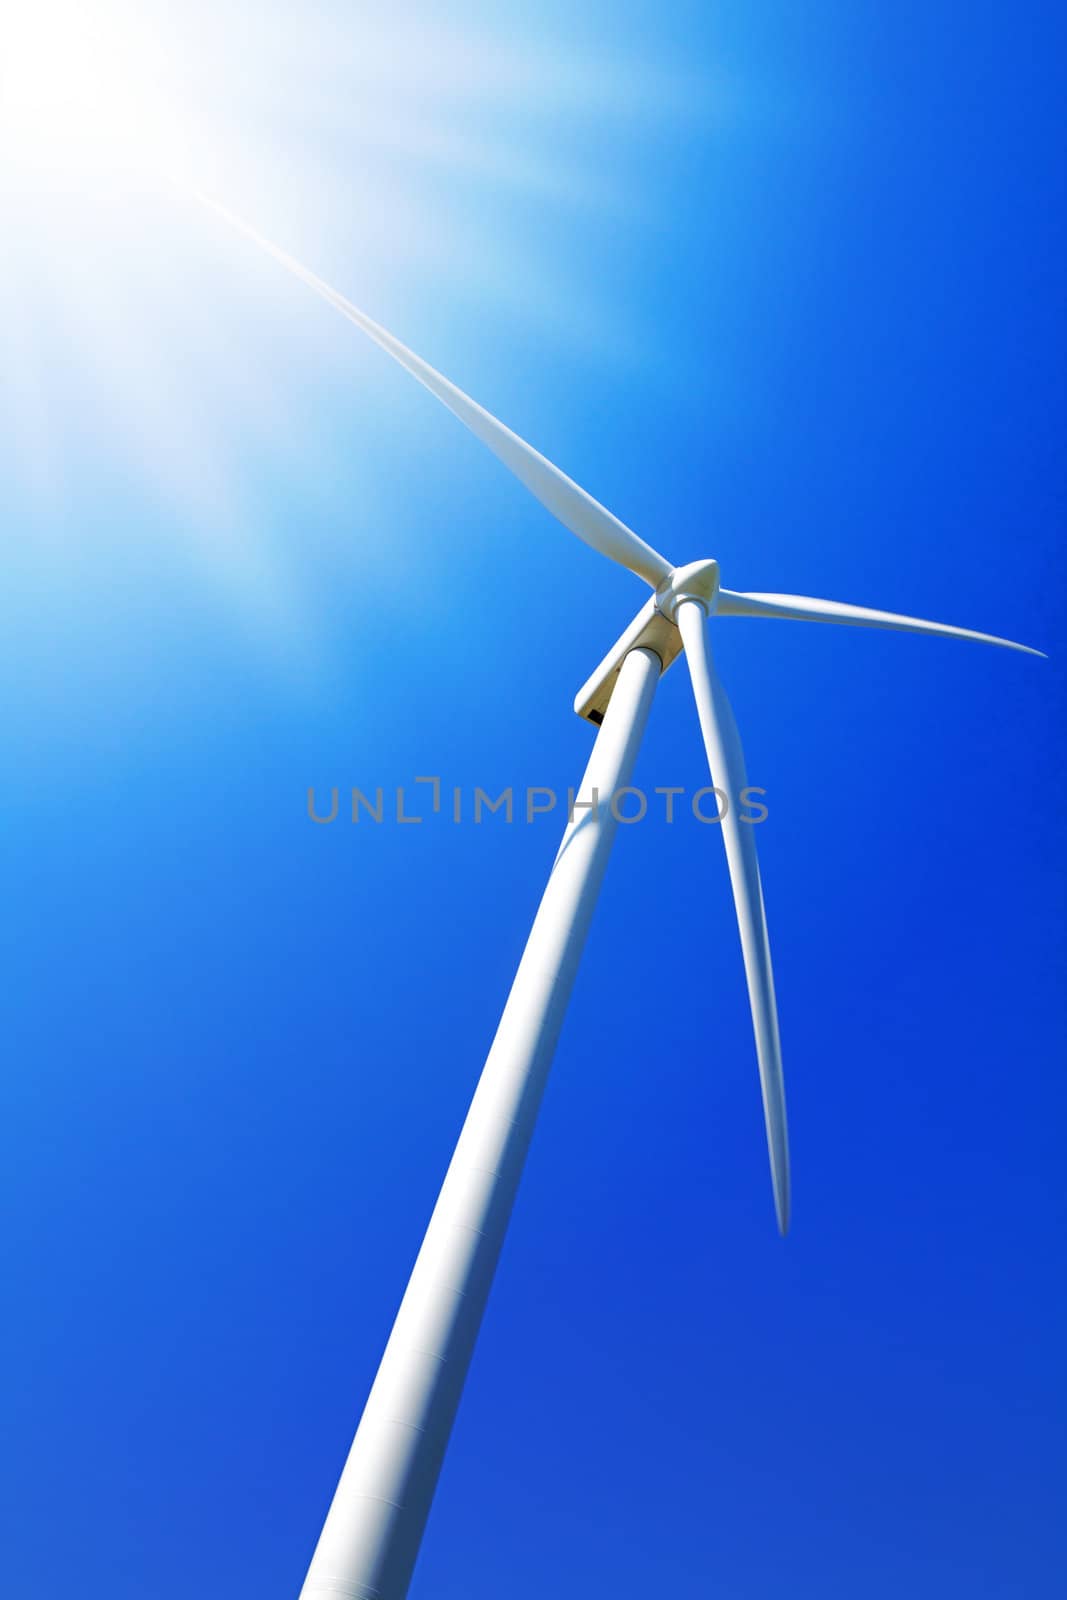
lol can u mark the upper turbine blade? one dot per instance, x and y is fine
(567, 502)
(801, 608)
(727, 763)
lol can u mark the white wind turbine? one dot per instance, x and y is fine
(370, 1540)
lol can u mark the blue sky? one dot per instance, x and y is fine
(781, 286)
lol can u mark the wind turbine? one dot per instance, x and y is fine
(371, 1536)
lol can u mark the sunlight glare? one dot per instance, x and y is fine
(429, 168)
(82, 84)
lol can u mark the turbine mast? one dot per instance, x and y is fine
(371, 1536)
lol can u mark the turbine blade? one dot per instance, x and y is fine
(802, 608)
(566, 500)
(727, 763)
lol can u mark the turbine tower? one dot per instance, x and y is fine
(371, 1536)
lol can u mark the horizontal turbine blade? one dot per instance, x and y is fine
(802, 608)
(727, 763)
(567, 501)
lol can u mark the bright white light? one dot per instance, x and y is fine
(382, 145)
(81, 84)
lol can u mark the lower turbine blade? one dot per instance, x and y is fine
(565, 499)
(727, 763)
(802, 608)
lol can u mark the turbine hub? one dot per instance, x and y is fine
(698, 581)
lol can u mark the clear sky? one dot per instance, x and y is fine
(782, 285)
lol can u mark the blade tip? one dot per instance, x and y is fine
(1024, 649)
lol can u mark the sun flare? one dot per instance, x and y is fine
(83, 84)
(383, 153)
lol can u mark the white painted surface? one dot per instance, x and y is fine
(371, 1537)
(726, 761)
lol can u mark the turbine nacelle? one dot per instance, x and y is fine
(654, 628)
(698, 581)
